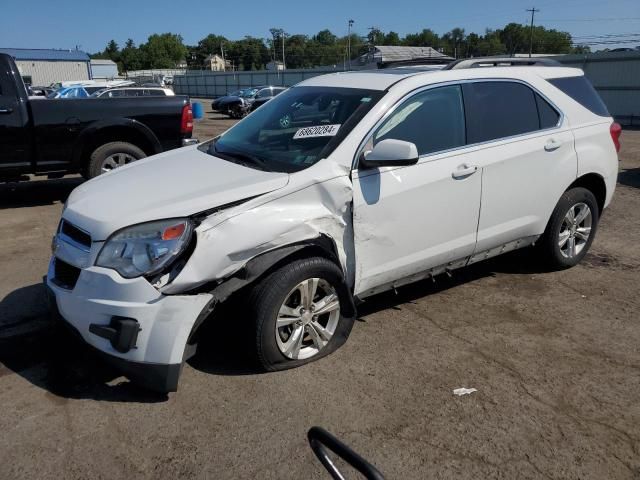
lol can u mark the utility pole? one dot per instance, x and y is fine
(284, 65)
(533, 11)
(351, 22)
(224, 62)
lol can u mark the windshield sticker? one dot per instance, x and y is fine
(285, 121)
(317, 131)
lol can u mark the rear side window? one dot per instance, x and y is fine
(433, 120)
(581, 90)
(499, 109)
(549, 118)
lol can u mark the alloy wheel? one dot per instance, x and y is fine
(575, 230)
(116, 160)
(307, 319)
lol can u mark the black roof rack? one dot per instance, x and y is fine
(502, 62)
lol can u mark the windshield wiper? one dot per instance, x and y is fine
(242, 156)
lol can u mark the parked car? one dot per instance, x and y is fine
(91, 83)
(133, 92)
(221, 104)
(88, 136)
(263, 96)
(69, 92)
(382, 180)
(83, 88)
(238, 107)
(39, 91)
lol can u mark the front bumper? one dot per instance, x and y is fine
(164, 322)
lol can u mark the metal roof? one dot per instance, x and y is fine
(388, 53)
(46, 54)
(102, 61)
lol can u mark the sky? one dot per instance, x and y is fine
(90, 25)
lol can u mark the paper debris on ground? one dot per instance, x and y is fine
(464, 391)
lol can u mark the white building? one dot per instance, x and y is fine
(216, 63)
(44, 66)
(103, 69)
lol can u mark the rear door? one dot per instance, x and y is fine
(526, 152)
(408, 220)
(15, 133)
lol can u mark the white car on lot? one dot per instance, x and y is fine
(343, 186)
(133, 92)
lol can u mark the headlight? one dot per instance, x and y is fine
(147, 248)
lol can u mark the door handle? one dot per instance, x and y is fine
(6, 110)
(552, 144)
(464, 171)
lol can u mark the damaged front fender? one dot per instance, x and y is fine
(312, 211)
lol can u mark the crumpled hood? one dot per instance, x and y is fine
(178, 183)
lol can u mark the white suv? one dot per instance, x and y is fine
(341, 187)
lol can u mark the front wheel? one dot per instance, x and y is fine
(571, 229)
(298, 313)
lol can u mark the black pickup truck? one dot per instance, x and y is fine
(89, 135)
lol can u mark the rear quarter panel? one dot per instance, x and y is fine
(597, 154)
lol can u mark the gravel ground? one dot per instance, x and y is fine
(554, 356)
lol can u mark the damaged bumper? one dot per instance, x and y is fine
(141, 331)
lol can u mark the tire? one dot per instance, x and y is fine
(271, 294)
(236, 112)
(112, 155)
(555, 245)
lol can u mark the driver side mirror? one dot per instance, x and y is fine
(390, 153)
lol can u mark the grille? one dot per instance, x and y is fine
(65, 275)
(80, 237)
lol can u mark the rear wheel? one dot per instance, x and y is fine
(571, 229)
(298, 313)
(112, 155)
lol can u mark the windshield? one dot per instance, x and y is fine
(295, 129)
(249, 92)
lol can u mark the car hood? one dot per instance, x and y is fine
(178, 183)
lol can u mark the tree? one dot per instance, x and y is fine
(111, 51)
(392, 38)
(376, 36)
(515, 38)
(209, 45)
(325, 48)
(163, 51)
(130, 57)
(325, 38)
(426, 38)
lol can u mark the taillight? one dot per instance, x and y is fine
(186, 124)
(616, 131)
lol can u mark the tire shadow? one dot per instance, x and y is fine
(37, 192)
(630, 177)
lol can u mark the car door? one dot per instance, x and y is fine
(409, 220)
(14, 128)
(527, 156)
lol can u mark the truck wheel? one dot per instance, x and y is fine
(570, 230)
(112, 155)
(298, 313)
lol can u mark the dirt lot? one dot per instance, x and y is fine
(554, 356)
